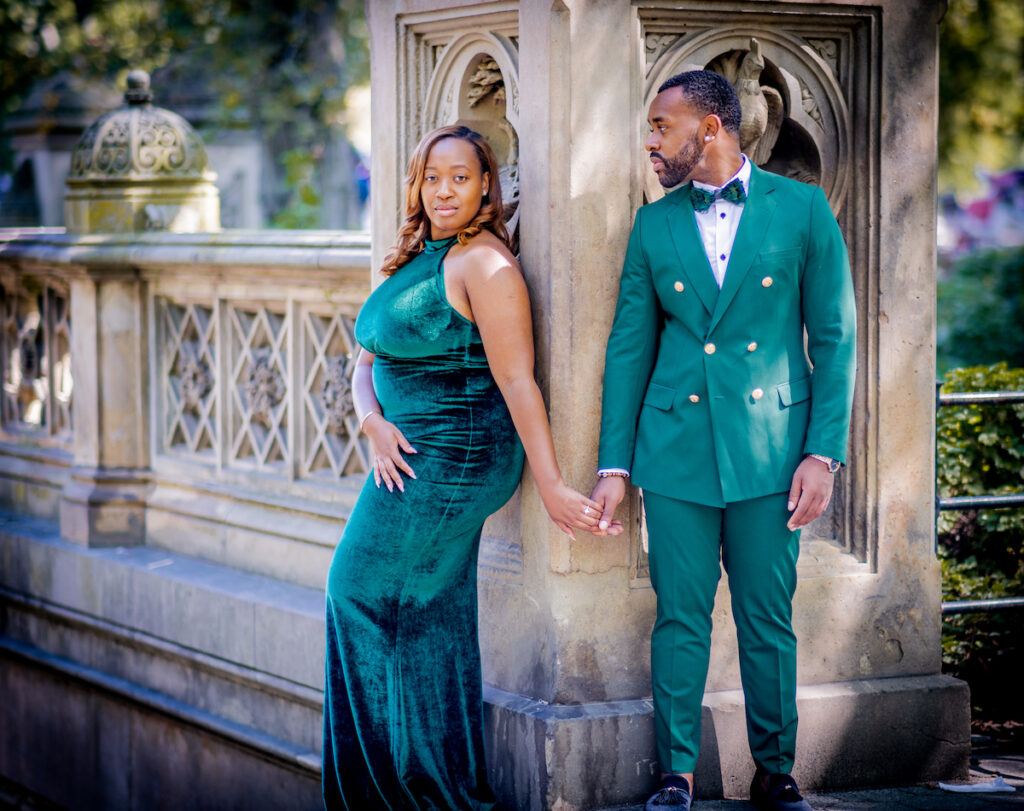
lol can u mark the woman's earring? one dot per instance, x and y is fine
(707, 138)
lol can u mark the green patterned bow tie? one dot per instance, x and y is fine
(732, 191)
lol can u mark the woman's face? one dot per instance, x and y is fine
(454, 184)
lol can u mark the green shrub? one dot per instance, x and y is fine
(980, 451)
(981, 310)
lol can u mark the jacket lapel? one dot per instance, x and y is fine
(682, 225)
(757, 216)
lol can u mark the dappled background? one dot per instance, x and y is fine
(981, 344)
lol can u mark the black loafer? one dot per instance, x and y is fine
(780, 795)
(674, 793)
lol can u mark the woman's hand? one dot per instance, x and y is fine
(386, 445)
(569, 509)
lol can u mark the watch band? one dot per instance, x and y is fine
(832, 464)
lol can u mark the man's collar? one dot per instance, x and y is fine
(743, 173)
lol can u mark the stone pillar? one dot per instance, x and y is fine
(565, 624)
(137, 168)
(103, 504)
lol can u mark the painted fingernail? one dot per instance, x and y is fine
(790, 505)
(603, 524)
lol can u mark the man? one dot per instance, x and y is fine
(711, 405)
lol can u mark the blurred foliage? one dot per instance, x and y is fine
(981, 89)
(981, 310)
(280, 66)
(980, 451)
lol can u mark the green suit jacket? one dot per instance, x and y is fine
(710, 395)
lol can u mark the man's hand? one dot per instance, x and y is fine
(809, 495)
(608, 493)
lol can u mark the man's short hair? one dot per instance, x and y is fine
(709, 94)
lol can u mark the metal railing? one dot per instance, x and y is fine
(961, 503)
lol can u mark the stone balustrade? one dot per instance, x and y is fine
(178, 454)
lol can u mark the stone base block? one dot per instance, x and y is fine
(875, 732)
(105, 508)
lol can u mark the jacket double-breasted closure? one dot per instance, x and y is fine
(712, 396)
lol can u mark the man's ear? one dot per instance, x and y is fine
(712, 126)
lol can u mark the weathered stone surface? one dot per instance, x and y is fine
(566, 621)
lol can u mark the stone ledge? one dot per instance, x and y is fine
(316, 252)
(863, 733)
(262, 624)
(274, 706)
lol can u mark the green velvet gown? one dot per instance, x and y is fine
(403, 708)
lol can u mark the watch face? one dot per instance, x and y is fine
(833, 466)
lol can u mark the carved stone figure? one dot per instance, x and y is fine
(486, 81)
(762, 106)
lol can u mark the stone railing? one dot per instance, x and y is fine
(243, 343)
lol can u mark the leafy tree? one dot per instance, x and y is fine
(280, 66)
(981, 89)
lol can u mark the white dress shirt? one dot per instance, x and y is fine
(718, 225)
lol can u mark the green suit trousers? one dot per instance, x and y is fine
(688, 545)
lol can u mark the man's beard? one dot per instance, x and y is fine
(679, 167)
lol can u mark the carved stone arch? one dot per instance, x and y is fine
(816, 129)
(463, 90)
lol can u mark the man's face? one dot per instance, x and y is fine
(675, 144)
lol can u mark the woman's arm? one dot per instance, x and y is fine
(500, 305)
(386, 441)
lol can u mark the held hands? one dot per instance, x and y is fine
(810, 493)
(387, 444)
(608, 493)
(569, 509)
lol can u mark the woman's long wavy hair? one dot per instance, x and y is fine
(415, 227)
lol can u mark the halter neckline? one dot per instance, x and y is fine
(431, 245)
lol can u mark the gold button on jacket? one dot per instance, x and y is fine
(694, 398)
(766, 281)
(752, 346)
(709, 349)
(679, 286)
(757, 394)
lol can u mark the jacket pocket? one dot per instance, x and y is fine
(795, 391)
(659, 397)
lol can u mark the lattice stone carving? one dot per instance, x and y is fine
(331, 443)
(258, 410)
(36, 359)
(190, 389)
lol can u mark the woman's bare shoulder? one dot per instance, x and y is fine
(486, 254)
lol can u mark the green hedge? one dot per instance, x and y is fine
(980, 450)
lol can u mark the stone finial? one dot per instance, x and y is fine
(141, 168)
(137, 91)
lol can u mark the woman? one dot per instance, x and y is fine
(443, 385)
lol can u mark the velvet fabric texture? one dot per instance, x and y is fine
(403, 707)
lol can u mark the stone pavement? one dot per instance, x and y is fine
(989, 758)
